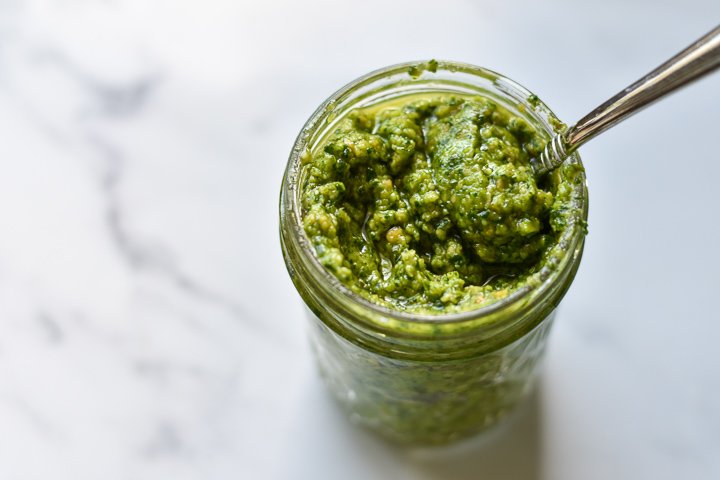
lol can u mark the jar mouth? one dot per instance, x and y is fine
(418, 77)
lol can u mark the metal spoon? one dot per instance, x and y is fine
(697, 60)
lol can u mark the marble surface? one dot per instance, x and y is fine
(148, 329)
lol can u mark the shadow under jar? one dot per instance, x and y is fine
(429, 378)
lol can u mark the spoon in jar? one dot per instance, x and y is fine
(697, 60)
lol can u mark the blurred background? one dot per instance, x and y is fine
(148, 328)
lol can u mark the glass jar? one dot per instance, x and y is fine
(428, 379)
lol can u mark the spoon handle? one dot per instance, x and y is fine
(700, 58)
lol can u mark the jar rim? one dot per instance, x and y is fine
(571, 238)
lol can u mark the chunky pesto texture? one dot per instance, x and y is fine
(429, 205)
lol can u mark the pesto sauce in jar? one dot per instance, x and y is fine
(428, 204)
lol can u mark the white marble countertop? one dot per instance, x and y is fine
(148, 329)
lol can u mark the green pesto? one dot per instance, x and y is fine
(416, 70)
(429, 204)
